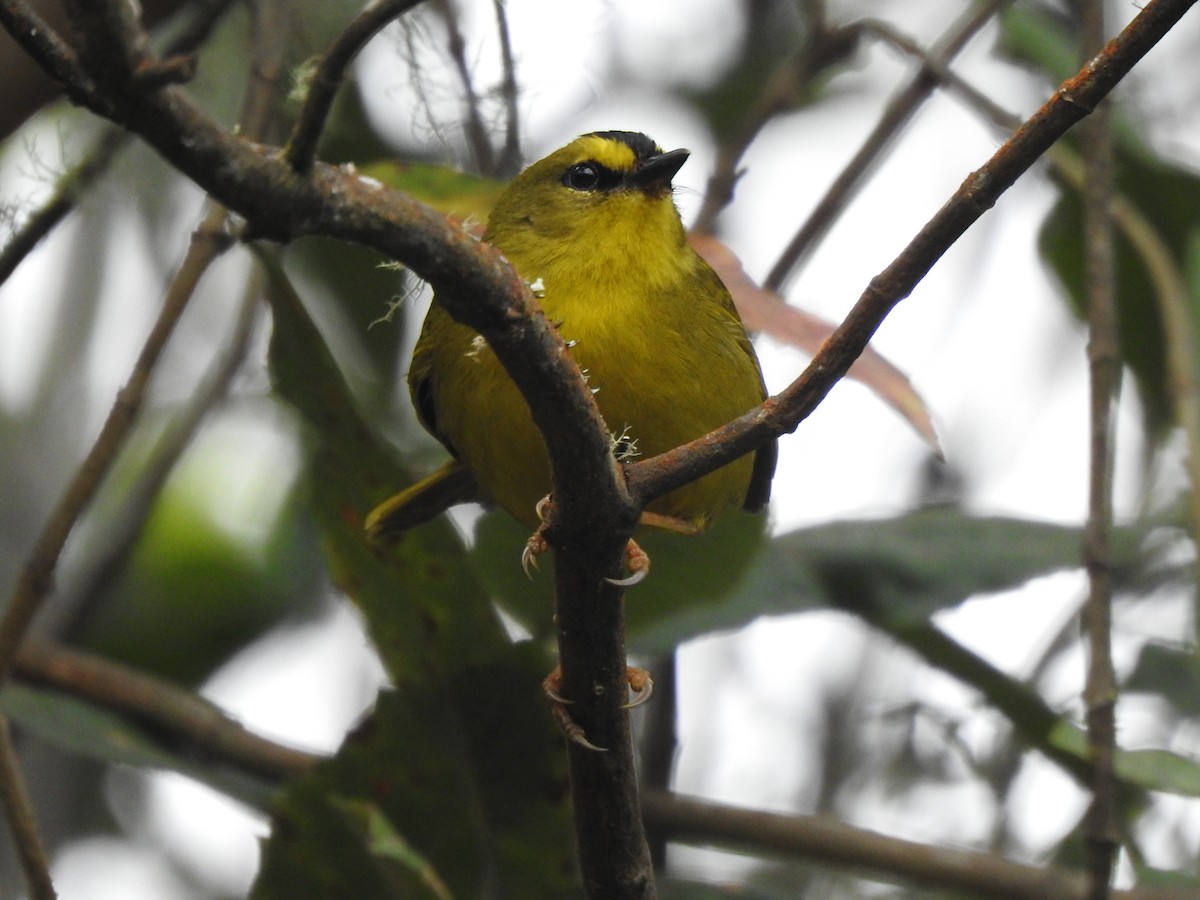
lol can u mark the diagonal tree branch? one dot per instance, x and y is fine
(1073, 100)
(331, 73)
(896, 115)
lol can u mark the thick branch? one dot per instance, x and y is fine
(781, 414)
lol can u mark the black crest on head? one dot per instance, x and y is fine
(641, 145)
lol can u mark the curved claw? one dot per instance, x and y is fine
(638, 563)
(629, 580)
(642, 686)
(536, 545)
(529, 560)
(558, 708)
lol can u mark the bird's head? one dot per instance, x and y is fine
(610, 188)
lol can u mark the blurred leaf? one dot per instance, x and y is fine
(98, 734)
(1154, 770)
(192, 592)
(349, 290)
(1148, 877)
(1169, 198)
(383, 842)
(895, 570)
(1041, 38)
(462, 758)
(479, 797)
(468, 198)
(1172, 673)
(1159, 770)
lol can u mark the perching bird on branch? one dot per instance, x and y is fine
(650, 324)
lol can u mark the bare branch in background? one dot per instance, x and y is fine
(478, 134)
(331, 73)
(1170, 287)
(824, 48)
(509, 162)
(193, 725)
(1102, 836)
(827, 841)
(70, 188)
(896, 115)
(18, 810)
(119, 540)
(37, 575)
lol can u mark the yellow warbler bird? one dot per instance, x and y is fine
(646, 319)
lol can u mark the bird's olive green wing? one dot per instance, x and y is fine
(765, 458)
(450, 485)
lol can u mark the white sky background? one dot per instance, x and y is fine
(984, 338)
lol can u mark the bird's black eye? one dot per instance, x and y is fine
(583, 176)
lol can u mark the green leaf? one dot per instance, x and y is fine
(1172, 673)
(383, 842)
(462, 758)
(899, 570)
(1041, 38)
(1169, 199)
(470, 779)
(1154, 770)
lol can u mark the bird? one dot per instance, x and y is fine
(594, 227)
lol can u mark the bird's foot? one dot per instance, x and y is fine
(637, 564)
(537, 544)
(640, 684)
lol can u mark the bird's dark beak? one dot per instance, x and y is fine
(655, 172)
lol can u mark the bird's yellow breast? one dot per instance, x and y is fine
(649, 323)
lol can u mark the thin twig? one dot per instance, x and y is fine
(184, 719)
(827, 841)
(18, 809)
(1102, 833)
(36, 578)
(331, 72)
(71, 186)
(510, 154)
(477, 131)
(899, 111)
(121, 536)
(825, 47)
